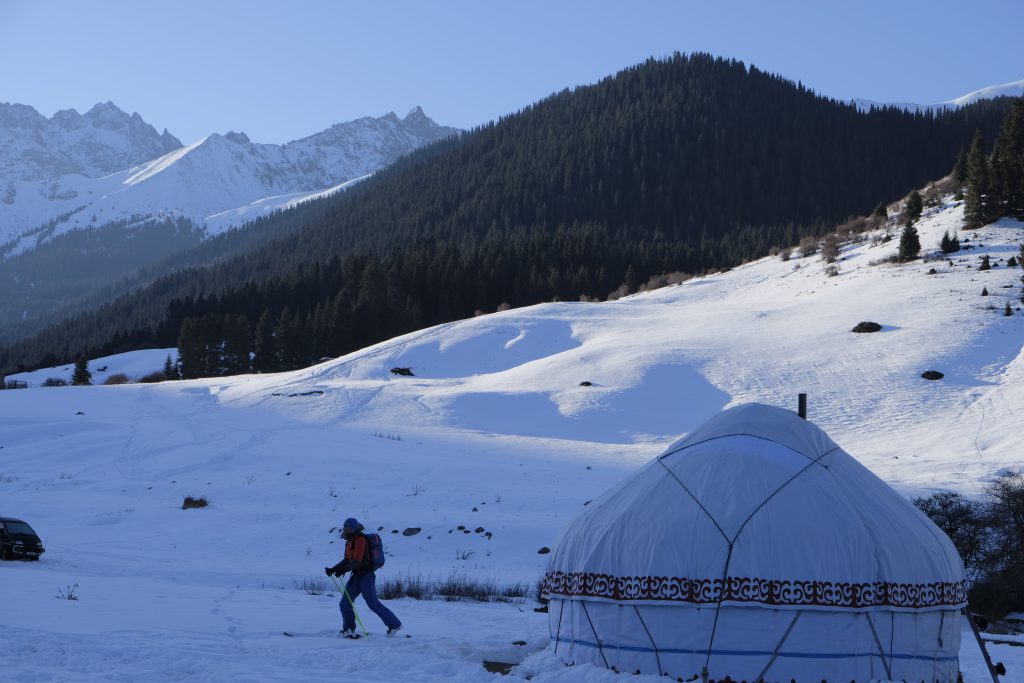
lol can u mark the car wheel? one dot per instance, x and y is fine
(5, 554)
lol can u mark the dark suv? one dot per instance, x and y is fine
(18, 541)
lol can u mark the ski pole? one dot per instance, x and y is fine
(344, 590)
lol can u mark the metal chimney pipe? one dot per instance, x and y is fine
(802, 406)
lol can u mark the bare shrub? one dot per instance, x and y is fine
(192, 502)
(452, 588)
(663, 280)
(55, 382)
(153, 377)
(947, 185)
(117, 378)
(989, 535)
(808, 246)
(860, 224)
(312, 586)
(70, 593)
(415, 587)
(830, 248)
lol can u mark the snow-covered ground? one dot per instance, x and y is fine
(495, 432)
(134, 364)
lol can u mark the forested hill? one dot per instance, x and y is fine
(685, 164)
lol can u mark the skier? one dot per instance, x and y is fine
(363, 580)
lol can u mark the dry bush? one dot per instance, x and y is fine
(859, 224)
(664, 280)
(117, 378)
(153, 377)
(830, 248)
(947, 185)
(808, 246)
(193, 502)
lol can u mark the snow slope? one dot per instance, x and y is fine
(1014, 89)
(227, 179)
(493, 432)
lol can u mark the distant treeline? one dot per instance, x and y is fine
(690, 164)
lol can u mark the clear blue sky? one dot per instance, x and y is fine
(283, 70)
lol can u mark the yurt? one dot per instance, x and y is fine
(757, 549)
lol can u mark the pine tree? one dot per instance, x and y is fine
(984, 291)
(914, 205)
(235, 355)
(960, 167)
(910, 243)
(81, 376)
(949, 245)
(265, 352)
(1008, 311)
(170, 370)
(1010, 161)
(985, 263)
(975, 209)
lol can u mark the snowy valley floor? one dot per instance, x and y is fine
(496, 432)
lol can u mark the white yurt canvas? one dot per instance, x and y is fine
(756, 548)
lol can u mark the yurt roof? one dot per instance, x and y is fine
(757, 506)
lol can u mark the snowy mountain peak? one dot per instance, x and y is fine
(1014, 89)
(223, 175)
(239, 138)
(103, 140)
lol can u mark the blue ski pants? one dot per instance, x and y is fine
(365, 585)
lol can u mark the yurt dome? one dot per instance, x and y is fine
(756, 548)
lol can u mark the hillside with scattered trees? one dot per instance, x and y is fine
(684, 165)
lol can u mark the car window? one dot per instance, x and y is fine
(19, 528)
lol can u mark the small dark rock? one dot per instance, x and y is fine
(544, 551)
(932, 374)
(520, 643)
(411, 531)
(466, 531)
(79, 413)
(461, 527)
(475, 510)
(866, 326)
(488, 535)
(394, 531)
(932, 271)
(478, 530)
(403, 372)
(586, 384)
(380, 528)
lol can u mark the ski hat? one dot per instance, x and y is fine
(352, 523)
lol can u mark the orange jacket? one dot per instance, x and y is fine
(357, 555)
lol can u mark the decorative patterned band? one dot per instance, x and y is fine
(774, 592)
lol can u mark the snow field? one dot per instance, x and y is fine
(494, 418)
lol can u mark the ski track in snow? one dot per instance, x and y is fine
(494, 430)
